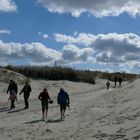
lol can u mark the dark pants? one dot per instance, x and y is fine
(120, 84)
(44, 105)
(12, 104)
(63, 106)
(26, 97)
(107, 87)
(115, 84)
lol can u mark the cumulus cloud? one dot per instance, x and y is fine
(81, 38)
(117, 48)
(111, 48)
(7, 6)
(35, 53)
(45, 36)
(73, 54)
(4, 31)
(113, 51)
(98, 8)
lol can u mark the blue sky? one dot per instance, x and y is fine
(94, 34)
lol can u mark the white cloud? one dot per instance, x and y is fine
(73, 54)
(33, 53)
(4, 31)
(113, 51)
(45, 36)
(37, 53)
(7, 6)
(117, 48)
(81, 38)
(98, 8)
(111, 48)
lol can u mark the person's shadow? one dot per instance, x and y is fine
(34, 121)
(47, 121)
(54, 120)
(15, 110)
(3, 109)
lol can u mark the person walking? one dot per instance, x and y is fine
(115, 81)
(26, 90)
(12, 89)
(120, 81)
(108, 84)
(64, 101)
(12, 98)
(45, 99)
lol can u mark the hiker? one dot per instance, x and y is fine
(63, 101)
(26, 90)
(108, 84)
(115, 80)
(120, 81)
(45, 99)
(13, 89)
(12, 98)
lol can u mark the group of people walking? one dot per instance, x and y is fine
(62, 98)
(116, 79)
(13, 89)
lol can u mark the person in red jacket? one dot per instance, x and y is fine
(45, 99)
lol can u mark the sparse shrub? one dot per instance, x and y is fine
(65, 73)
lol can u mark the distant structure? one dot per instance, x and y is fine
(55, 64)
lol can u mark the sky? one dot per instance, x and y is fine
(90, 35)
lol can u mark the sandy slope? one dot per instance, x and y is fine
(95, 113)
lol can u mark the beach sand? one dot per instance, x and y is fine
(95, 113)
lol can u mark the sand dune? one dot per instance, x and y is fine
(94, 114)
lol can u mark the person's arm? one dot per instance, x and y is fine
(68, 99)
(21, 91)
(48, 96)
(58, 99)
(39, 97)
(8, 89)
(16, 88)
(30, 89)
(16, 98)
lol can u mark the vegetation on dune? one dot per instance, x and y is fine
(64, 73)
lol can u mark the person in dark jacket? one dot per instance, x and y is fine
(120, 81)
(108, 84)
(115, 81)
(26, 90)
(12, 88)
(64, 101)
(45, 98)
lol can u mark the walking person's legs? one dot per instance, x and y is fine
(115, 84)
(120, 84)
(46, 110)
(26, 104)
(62, 110)
(43, 111)
(26, 97)
(12, 104)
